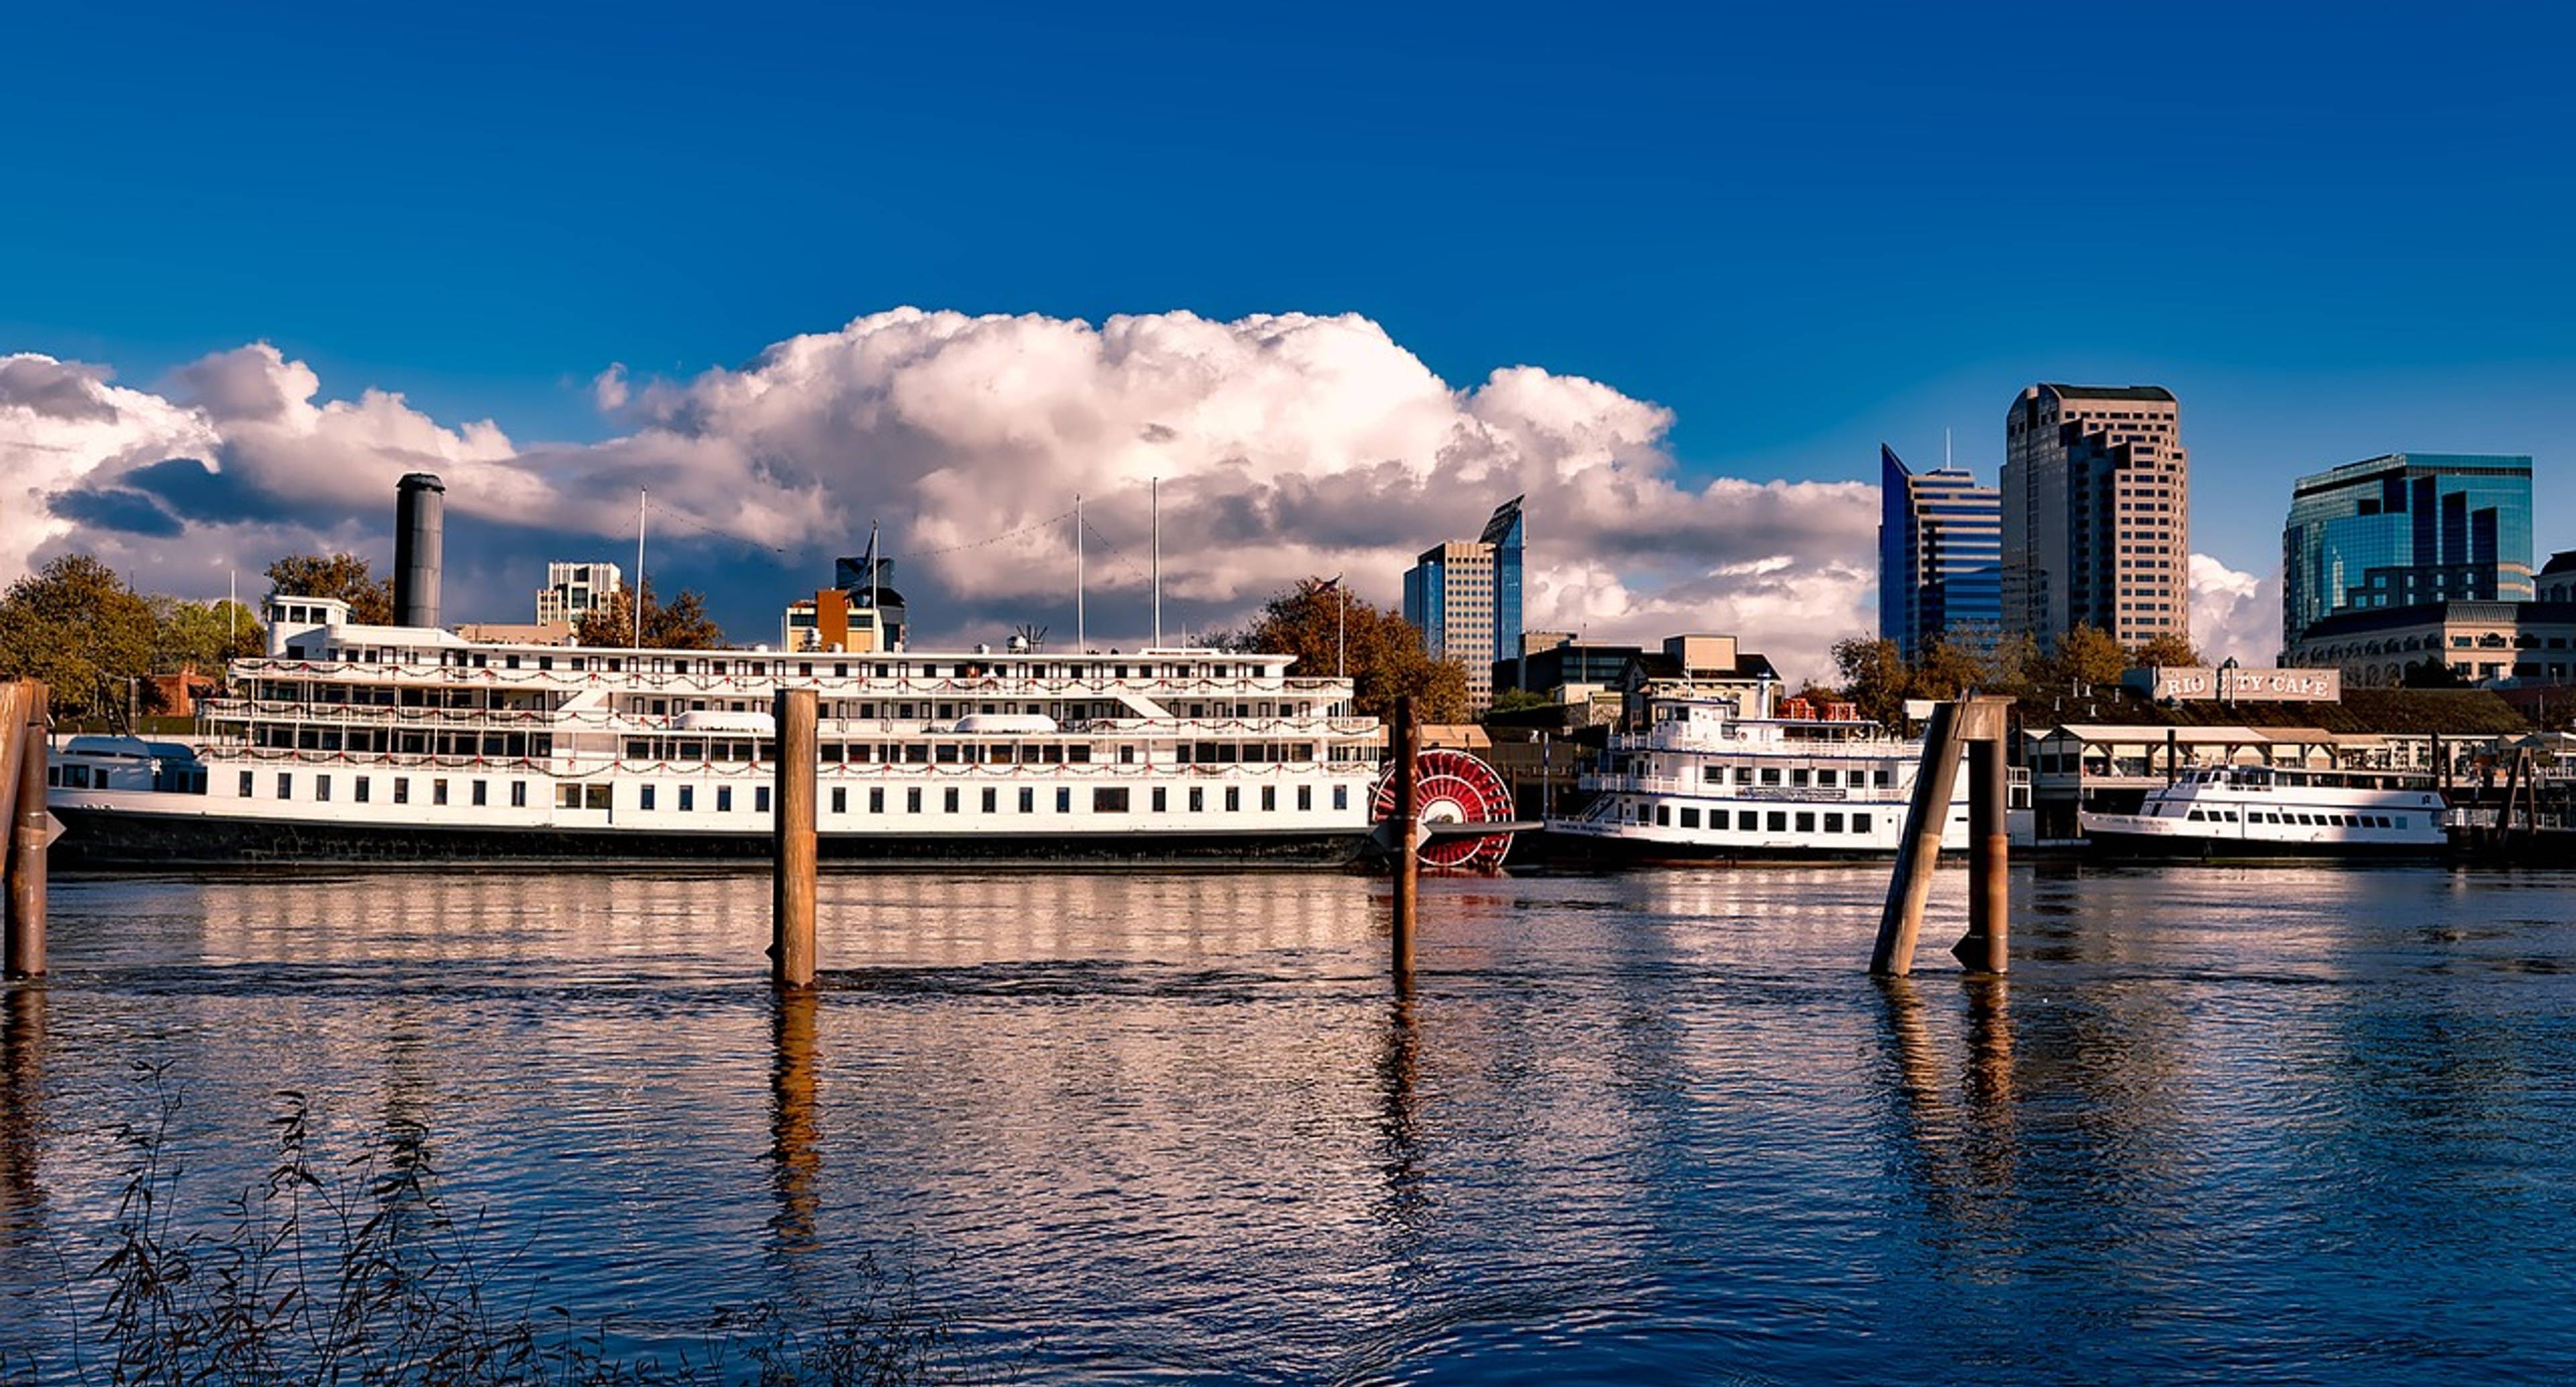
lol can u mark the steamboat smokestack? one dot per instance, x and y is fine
(420, 542)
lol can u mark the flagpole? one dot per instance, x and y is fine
(875, 612)
(1081, 641)
(638, 602)
(1154, 501)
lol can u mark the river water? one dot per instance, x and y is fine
(2221, 1125)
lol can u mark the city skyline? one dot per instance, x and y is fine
(464, 290)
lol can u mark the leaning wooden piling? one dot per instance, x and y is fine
(1920, 851)
(791, 904)
(1406, 738)
(24, 725)
(1976, 725)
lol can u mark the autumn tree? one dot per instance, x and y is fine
(1874, 677)
(2013, 665)
(344, 576)
(2088, 655)
(76, 625)
(683, 624)
(1946, 671)
(1318, 620)
(2166, 650)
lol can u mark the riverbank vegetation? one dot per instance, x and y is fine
(356, 1270)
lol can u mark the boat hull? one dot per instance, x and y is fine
(1609, 850)
(126, 840)
(2171, 847)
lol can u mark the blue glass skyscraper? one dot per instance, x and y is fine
(2404, 529)
(1503, 532)
(1466, 599)
(1940, 557)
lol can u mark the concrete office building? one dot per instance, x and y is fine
(2402, 530)
(2096, 513)
(574, 590)
(1465, 598)
(1940, 557)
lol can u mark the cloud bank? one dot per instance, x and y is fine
(1285, 445)
(2235, 613)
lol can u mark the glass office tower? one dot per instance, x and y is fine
(1465, 596)
(2404, 529)
(1940, 557)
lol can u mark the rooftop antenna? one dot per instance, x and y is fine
(1154, 501)
(1081, 639)
(1945, 450)
(638, 603)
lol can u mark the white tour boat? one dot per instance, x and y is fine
(1701, 782)
(354, 742)
(2266, 811)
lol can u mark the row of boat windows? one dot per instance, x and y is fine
(777, 669)
(386, 739)
(942, 712)
(1100, 799)
(476, 700)
(1802, 777)
(362, 788)
(399, 696)
(2268, 816)
(1760, 820)
(1014, 752)
(1882, 778)
(750, 750)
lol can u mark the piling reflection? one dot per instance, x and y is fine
(1964, 1133)
(22, 1079)
(795, 1148)
(1398, 1130)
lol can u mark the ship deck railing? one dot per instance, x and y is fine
(668, 724)
(832, 685)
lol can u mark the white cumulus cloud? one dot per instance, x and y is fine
(1285, 445)
(2234, 613)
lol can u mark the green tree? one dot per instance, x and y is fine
(681, 625)
(202, 635)
(2088, 655)
(344, 576)
(76, 625)
(2166, 650)
(1318, 618)
(1513, 700)
(1874, 677)
(2432, 672)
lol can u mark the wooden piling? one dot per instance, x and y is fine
(1920, 852)
(1986, 946)
(1406, 737)
(791, 903)
(26, 728)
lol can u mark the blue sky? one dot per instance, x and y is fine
(1803, 231)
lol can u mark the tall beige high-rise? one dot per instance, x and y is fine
(2097, 513)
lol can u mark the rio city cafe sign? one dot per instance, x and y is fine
(2240, 685)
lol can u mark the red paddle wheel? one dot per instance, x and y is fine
(1453, 787)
